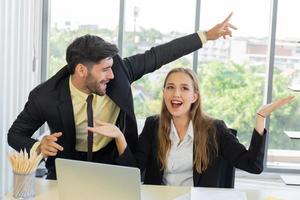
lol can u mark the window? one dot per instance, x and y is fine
(285, 152)
(71, 19)
(232, 71)
(147, 24)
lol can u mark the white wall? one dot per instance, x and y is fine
(20, 46)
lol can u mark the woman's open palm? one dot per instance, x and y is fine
(267, 109)
(105, 129)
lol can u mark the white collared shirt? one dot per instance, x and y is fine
(179, 169)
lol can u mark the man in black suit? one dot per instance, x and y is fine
(94, 68)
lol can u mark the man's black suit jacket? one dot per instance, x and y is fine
(230, 149)
(51, 101)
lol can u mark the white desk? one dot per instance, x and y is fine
(293, 134)
(47, 190)
(291, 179)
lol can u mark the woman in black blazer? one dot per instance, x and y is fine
(183, 145)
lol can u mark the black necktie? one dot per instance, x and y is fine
(90, 120)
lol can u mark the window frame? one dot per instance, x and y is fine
(270, 56)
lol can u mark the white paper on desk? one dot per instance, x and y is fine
(186, 196)
(215, 194)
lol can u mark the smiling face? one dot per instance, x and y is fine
(179, 94)
(98, 77)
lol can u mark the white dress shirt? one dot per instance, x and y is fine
(179, 169)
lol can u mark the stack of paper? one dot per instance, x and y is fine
(217, 194)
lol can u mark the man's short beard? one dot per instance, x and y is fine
(94, 85)
(97, 92)
(100, 94)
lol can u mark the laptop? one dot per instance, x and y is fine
(291, 179)
(87, 180)
(293, 134)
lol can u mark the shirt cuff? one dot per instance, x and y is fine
(34, 147)
(202, 36)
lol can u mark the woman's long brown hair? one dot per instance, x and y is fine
(205, 145)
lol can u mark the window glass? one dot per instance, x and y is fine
(284, 152)
(232, 71)
(148, 25)
(71, 19)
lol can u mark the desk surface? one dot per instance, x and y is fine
(47, 190)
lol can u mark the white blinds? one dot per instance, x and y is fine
(20, 47)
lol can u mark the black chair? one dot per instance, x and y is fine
(227, 171)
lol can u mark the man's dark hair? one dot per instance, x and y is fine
(88, 49)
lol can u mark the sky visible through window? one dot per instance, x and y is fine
(249, 16)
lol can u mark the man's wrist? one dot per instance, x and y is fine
(203, 36)
(36, 147)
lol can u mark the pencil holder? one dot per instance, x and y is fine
(24, 185)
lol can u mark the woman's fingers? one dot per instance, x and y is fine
(280, 102)
(269, 108)
(100, 123)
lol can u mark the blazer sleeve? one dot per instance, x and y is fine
(27, 122)
(146, 142)
(231, 149)
(153, 59)
(143, 150)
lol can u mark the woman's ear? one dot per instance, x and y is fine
(195, 97)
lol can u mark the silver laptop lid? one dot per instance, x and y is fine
(86, 180)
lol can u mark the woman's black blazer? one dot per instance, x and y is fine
(229, 148)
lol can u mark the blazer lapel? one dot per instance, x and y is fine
(67, 116)
(119, 89)
(154, 155)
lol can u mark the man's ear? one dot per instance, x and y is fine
(81, 70)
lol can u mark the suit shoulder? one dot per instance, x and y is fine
(154, 119)
(219, 123)
(221, 127)
(52, 84)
